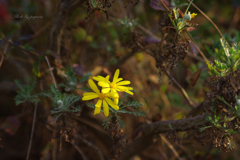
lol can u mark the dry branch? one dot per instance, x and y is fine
(152, 129)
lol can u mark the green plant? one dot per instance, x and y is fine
(227, 60)
(25, 92)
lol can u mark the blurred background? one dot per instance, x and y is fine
(100, 44)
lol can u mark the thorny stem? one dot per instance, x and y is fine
(210, 21)
(33, 125)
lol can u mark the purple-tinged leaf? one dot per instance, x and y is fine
(53, 54)
(78, 69)
(26, 36)
(194, 50)
(16, 43)
(157, 5)
(152, 40)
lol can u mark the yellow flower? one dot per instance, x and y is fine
(103, 99)
(116, 85)
(193, 15)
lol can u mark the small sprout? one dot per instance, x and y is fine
(129, 25)
(60, 103)
(238, 101)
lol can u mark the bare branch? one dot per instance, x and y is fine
(160, 127)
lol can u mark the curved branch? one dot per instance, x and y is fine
(160, 127)
(177, 125)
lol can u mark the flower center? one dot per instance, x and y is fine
(102, 96)
(113, 85)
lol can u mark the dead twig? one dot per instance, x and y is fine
(79, 151)
(33, 125)
(92, 146)
(170, 146)
(209, 21)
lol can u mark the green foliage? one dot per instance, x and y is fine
(63, 102)
(94, 3)
(128, 24)
(25, 92)
(71, 80)
(215, 119)
(137, 111)
(236, 109)
(227, 60)
(180, 23)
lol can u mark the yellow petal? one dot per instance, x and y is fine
(97, 110)
(105, 108)
(114, 93)
(99, 78)
(119, 79)
(123, 83)
(130, 88)
(105, 90)
(116, 76)
(89, 93)
(103, 84)
(107, 78)
(112, 104)
(122, 88)
(93, 86)
(89, 97)
(129, 92)
(99, 103)
(116, 100)
(193, 15)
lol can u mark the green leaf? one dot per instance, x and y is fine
(94, 3)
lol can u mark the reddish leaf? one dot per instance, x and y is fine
(10, 125)
(194, 77)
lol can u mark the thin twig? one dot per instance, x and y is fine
(33, 125)
(42, 29)
(186, 151)
(54, 81)
(195, 56)
(164, 5)
(235, 20)
(170, 146)
(92, 146)
(79, 151)
(2, 58)
(148, 32)
(210, 21)
(182, 90)
(89, 123)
